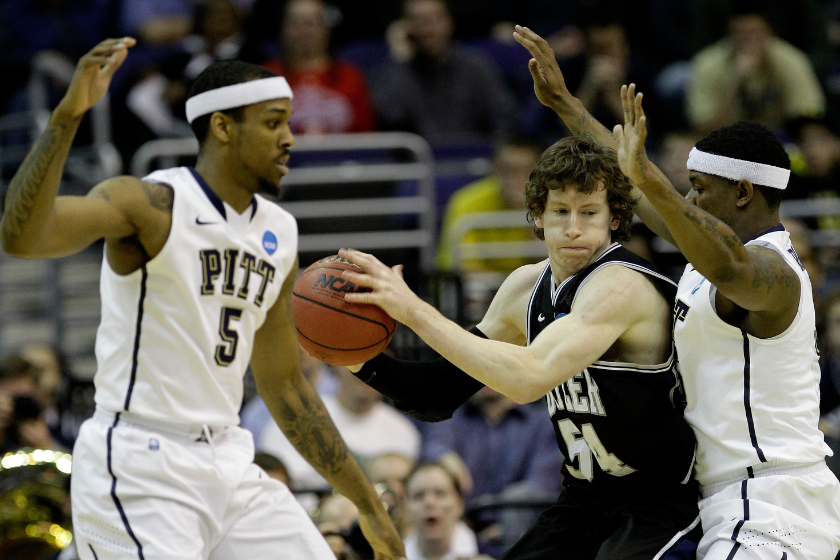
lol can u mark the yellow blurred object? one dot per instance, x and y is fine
(35, 517)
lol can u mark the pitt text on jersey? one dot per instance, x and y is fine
(213, 266)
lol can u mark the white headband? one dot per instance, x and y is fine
(737, 169)
(237, 95)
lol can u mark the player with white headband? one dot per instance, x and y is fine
(744, 328)
(745, 333)
(196, 284)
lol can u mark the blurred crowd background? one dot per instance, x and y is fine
(417, 128)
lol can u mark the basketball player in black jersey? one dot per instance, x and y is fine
(588, 329)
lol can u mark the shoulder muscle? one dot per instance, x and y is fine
(505, 318)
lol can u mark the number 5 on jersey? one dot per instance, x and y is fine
(226, 350)
(584, 446)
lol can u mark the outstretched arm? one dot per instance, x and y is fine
(552, 92)
(30, 199)
(300, 413)
(606, 309)
(754, 278)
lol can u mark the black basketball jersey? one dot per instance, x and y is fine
(620, 426)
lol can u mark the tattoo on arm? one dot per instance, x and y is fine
(313, 433)
(770, 273)
(713, 226)
(584, 121)
(160, 195)
(30, 178)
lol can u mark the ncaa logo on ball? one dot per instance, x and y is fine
(269, 243)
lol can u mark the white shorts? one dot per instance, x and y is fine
(150, 494)
(792, 516)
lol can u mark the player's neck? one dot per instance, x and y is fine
(753, 227)
(230, 186)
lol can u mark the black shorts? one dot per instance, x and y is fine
(583, 526)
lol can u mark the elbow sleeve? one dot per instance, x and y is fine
(429, 391)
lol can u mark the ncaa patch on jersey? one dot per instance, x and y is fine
(269, 243)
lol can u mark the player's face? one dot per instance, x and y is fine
(577, 228)
(434, 506)
(263, 142)
(713, 194)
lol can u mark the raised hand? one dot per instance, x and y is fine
(93, 76)
(632, 157)
(549, 84)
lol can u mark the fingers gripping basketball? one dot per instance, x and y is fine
(330, 328)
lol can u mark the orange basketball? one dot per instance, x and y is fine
(331, 329)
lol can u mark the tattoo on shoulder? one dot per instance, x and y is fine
(771, 271)
(160, 195)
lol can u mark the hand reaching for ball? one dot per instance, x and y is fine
(388, 290)
(331, 327)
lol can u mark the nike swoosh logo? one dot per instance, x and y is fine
(541, 318)
(199, 222)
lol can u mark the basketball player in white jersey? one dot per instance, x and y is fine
(744, 329)
(196, 283)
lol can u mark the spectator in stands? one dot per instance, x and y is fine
(596, 74)
(65, 28)
(392, 470)
(330, 95)
(273, 467)
(59, 392)
(830, 380)
(435, 507)
(504, 189)
(444, 91)
(673, 154)
(803, 23)
(495, 446)
(156, 22)
(751, 75)
(22, 405)
(336, 517)
(157, 99)
(608, 66)
(819, 145)
(367, 425)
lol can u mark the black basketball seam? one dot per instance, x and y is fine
(315, 342)
(387, 330)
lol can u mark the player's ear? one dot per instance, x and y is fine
(745, 192)
(615, 222)
(220, 126)
(538, 221)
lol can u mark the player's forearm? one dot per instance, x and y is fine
(31, 194)
(429, 391)
(506, 368)
(301, 415)
(580, 122)
(709, 244)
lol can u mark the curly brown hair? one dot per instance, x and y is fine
(586, 166)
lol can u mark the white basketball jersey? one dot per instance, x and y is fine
(176, 335)
(751, 401)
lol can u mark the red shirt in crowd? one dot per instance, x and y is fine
(336, 99)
